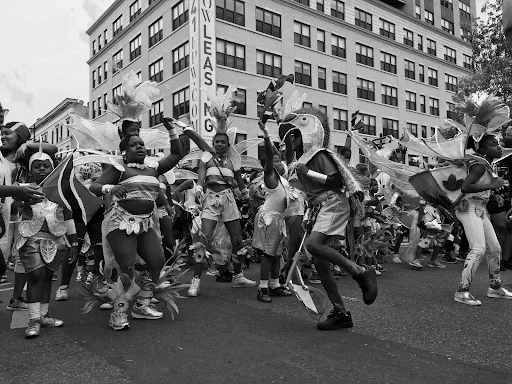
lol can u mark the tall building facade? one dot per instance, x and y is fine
(397, 62)
(52, 129)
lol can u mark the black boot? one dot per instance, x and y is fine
(336, 320)
(368, 283)
(263, 295)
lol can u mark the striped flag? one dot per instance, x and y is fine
(62, 187)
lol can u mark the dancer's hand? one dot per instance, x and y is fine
(497, 183)
(20, 152)
(301, 169)
(73, 255)
(119, 191)
(28, 194)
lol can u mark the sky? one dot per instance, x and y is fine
(44, 52)
(43, 55)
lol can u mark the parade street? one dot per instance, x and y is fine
(414, 333)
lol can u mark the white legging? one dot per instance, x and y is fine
(482, 240)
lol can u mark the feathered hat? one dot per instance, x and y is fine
(220, 106)
(135, 99)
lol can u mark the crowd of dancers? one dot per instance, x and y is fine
(308, 205)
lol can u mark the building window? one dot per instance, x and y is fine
(412, 128)
(134, 10)
(94, 79)
(99, 42)
(408, 38)
(241, 103)
(387, 29)
(268, 22)
(431, 47)
(339, 82)
(320, 40)
(305, 2)
(434, 106)
(93, 112)
(422, 104)
(450, 55)
(450, 82)
(135, 48)
(369, 127)
(116, 91)
(364, 54)
(105, 106)
(429, 17)
(363, 19)
(230, 54)
(421, 73)
(340, 119)
(410, 100)
(99, 114)
(180, 58)
(301, 34)
(424, 133)
(156, 71)
(390, 127)
(180, 102)
(268, 64)
(306, 104)
(302, 73)
(117, 26)
(117, 61)
(338, 9)
(338, 46)
(179, 14)
(450, 110)
(420, 43)
(447, 26)
(389, 95)
(105, 41)
(468, 61)
(323, 109)
(94, 47)
(410, 70)
(322, 78)
(231, 10)
(365, 89)
(465, 10)
(320, 5)
(99, 75)
(156, 113)
(432, 77)
(387, 62)
(105, 70)
(447, 4)
(418, 12)
(156, 32)
(465, 32)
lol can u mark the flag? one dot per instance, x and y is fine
(63, 188)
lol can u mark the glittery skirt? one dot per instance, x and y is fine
(41, 250)
(269, 231)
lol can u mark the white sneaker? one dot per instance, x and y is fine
(377, 272)
(500, 293)
(466, 298)
(240, 281)
(79, 275)
(396, 259)
(62, 293)
(415, 264)
(194, 287)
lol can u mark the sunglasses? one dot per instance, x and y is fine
(4, 112)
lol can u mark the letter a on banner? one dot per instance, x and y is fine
(202, 64)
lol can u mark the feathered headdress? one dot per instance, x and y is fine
(221, 105)
(135, 99)
(40, 155)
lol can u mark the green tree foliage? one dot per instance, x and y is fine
(492, 58)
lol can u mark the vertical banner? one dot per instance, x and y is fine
(202, 64)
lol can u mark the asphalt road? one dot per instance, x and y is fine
(413, 333)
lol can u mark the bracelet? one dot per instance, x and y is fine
(173, 134)
(107, 188)
(320, 177)
(75, 244)
(198, 189)
(265, 132)
(245, 193)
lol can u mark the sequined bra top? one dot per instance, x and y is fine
(218, 174)
(140, 187)
(36, 216)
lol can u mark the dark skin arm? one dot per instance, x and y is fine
(333, 181)
(475, 173)
(21, 193)
(110, 176)
(270, 175)
(169, 123)
(169, 162)
(187, 184)
(289, 152)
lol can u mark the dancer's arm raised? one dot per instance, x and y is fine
(270, 176)
(167, 163)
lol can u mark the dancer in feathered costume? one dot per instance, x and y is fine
(219, 174)
(323, 176)
(45, 233)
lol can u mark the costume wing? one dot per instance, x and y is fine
(115, 161)
(154, 138)
(94, 135)
(179, 174)
(441, 185)
(251, 162)
(246, 144)
(195, 155)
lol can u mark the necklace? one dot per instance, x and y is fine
(224, 160)
(136, 165)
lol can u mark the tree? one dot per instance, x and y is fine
(492, 57)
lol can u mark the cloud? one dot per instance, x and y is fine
(94, 8)
(15, 89)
